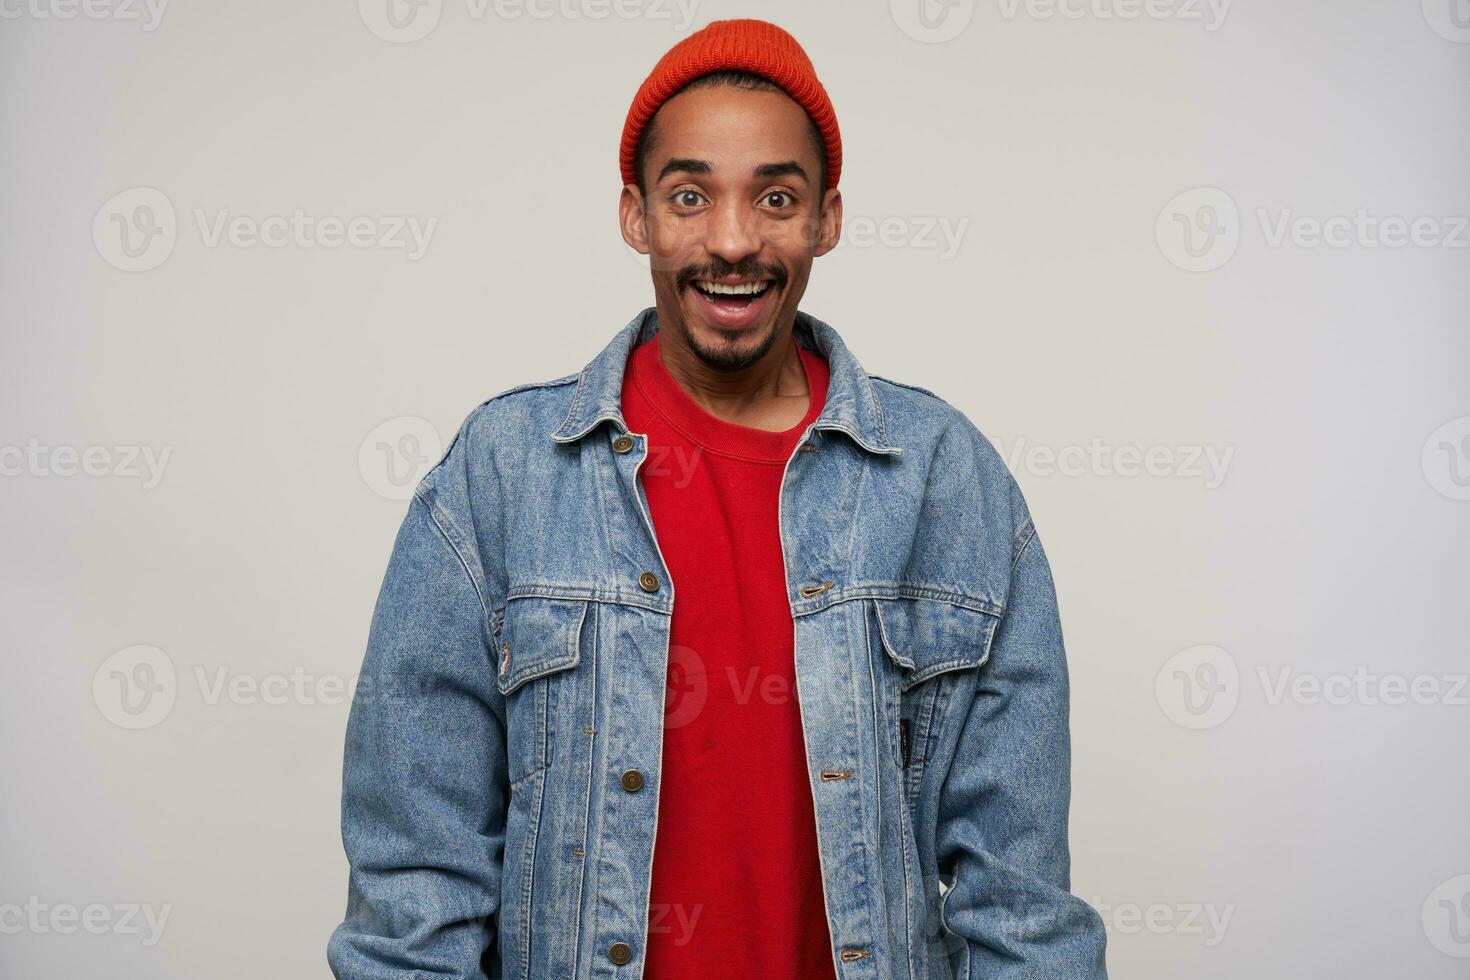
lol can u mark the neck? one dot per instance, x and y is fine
(769, 393)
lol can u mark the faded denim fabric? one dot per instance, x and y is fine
(516, 668)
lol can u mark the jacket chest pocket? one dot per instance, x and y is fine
(925, 643)
(539, 645)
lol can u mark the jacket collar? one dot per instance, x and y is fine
(851, 405)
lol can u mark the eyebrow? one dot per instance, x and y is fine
(686, 165)
(790, 168)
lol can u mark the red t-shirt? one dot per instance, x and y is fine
(737, 887)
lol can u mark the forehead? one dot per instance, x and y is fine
(733, 130)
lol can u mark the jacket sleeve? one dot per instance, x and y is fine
(424, 782)
(1002, 813)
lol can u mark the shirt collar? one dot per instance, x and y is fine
(852, 407)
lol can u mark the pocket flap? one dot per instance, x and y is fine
(538, 636)
(927, 637)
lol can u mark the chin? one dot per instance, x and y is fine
(725, 349)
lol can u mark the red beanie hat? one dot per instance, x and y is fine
(750, 45)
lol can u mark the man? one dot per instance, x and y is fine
(720, 657)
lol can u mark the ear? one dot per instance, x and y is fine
(631, 219)
(829, 229)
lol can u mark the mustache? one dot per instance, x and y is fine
(720, 269)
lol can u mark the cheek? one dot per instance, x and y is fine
(794, 239)
(673, 245)
(672, 235)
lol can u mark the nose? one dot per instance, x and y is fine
(732, 231)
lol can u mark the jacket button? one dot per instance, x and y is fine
(632, 780)
(648, 582)
(622, 444)
(620, 953)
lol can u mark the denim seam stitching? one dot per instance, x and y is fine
(856, 509)
(587, 792)
(898, 590)
(585, 593)
(908, 873)
(879, 718)
(1028, 532)
(575, 409)
(549, 665)
(598, 482)
(905, 384)
(877, 408)
(533, 839)
(431, 506)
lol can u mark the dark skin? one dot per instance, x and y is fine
(732, 202)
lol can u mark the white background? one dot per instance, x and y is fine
(1227, 829)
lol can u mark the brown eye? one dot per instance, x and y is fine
(687, 199)
(778, 200)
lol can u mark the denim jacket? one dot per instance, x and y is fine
(516, 670)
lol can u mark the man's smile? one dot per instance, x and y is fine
(733, 303)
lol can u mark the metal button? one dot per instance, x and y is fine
(648, 582)
(632, 780)
(622, 444)
(620, 953)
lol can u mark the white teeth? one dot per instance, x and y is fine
(736, 289)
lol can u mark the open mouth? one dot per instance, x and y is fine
(735, 301)
(731, 295)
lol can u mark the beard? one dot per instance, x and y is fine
(729, 359)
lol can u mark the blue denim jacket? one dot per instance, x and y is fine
(515, 671)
